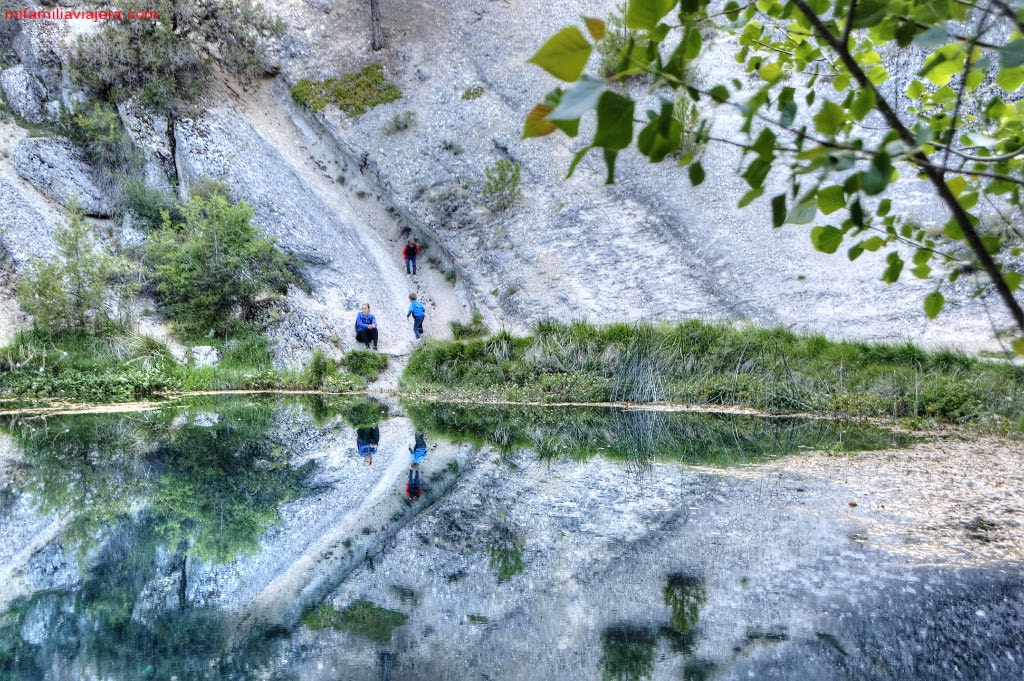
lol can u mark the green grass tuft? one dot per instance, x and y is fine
(362, 618)
(353, 93)
(365, 363)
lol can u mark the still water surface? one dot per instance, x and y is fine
(292, 538)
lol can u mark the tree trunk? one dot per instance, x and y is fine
(378, 40)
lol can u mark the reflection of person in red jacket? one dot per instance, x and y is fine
(413, 489)
(411, 250)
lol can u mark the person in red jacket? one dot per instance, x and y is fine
(411, 250)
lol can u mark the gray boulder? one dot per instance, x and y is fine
(24, 93)
(58, 169)
(25, 232)
(205, 355)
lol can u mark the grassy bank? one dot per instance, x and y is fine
(694, 362)
(116, 367)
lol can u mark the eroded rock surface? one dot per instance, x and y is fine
(59, 169)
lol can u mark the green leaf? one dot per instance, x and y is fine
(828, 120)
(826, 239)
(1018, 347)
(696, 171)
(938, 69)
(778, 210)
(661, 136)
(855, 252)
(596, 27)
(863, 103)
(553, 99)
(750, 196)
(932, 38)
(1010, 79)
(933, 303)
(883, 207)
(579, 99)
(892, 272)
(564, 54)
(614, 121)
(1012, 279)
(536, 124)
(873, 243)
(1012, 54)
(831, 199)
(577, 158)
(857, 213)
(869, 13)
(692, 42)
(770, 72)
(922, 271)
(878, 75)
(915, 89)
(764, 145)
(952, 230)
(645, 14)
(803, 213)
(756, 172)
(788, 113)
(609, 161)
(876, 179)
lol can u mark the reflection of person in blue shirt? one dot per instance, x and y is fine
(418, 452)
(367, 440)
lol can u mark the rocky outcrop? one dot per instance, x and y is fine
(150, 132)
(25, 232)
(25, 94)
(59, 169)
(43, 48)
(343, 267)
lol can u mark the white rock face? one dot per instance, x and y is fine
(24, 93)
(151, 133)
(59, 169)
(205, 355)
(25, 232)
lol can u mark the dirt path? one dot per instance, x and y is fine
(315, 163)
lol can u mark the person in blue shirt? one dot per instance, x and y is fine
(418, 452)
(417, 312)
(367, 440)
(366, 327)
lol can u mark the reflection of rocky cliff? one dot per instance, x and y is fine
(340, 191)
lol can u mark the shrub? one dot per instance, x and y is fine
(453, 147)
(69, 292)
(98, 131)
(451, 276)
(167, 62)
(361, 618)
(614, 42)
(148, 205)
(210, 269)
(399, 122)
(475, 329)
(501, 188)
(364, 363)
(320, 368)
(353, 93)
(473, 92)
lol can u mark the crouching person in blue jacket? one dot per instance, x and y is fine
(417, 312)
(366, 327)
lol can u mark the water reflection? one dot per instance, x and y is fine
(186, 526)
(642, 436)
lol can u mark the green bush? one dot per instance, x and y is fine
(69, 292)
(98, 131)
(473, 92)
(475, 329)
(501, 186)
(365, 363)
(148, 205)
(210, 269)
(320, 368)
(168, 62)
(353, 93)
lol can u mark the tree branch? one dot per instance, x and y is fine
(960, 215)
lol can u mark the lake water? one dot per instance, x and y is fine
(288, 538)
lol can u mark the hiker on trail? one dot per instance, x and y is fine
(366, 327)
(417, 312)
(411, 250)
(417, 452)
(367, 440)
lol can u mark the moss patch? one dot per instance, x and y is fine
(353, 93)
(362, 618)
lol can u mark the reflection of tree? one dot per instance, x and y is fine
(627, 653)
(685, 594)
(144, 492)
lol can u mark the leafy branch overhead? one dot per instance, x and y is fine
(822, 111)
